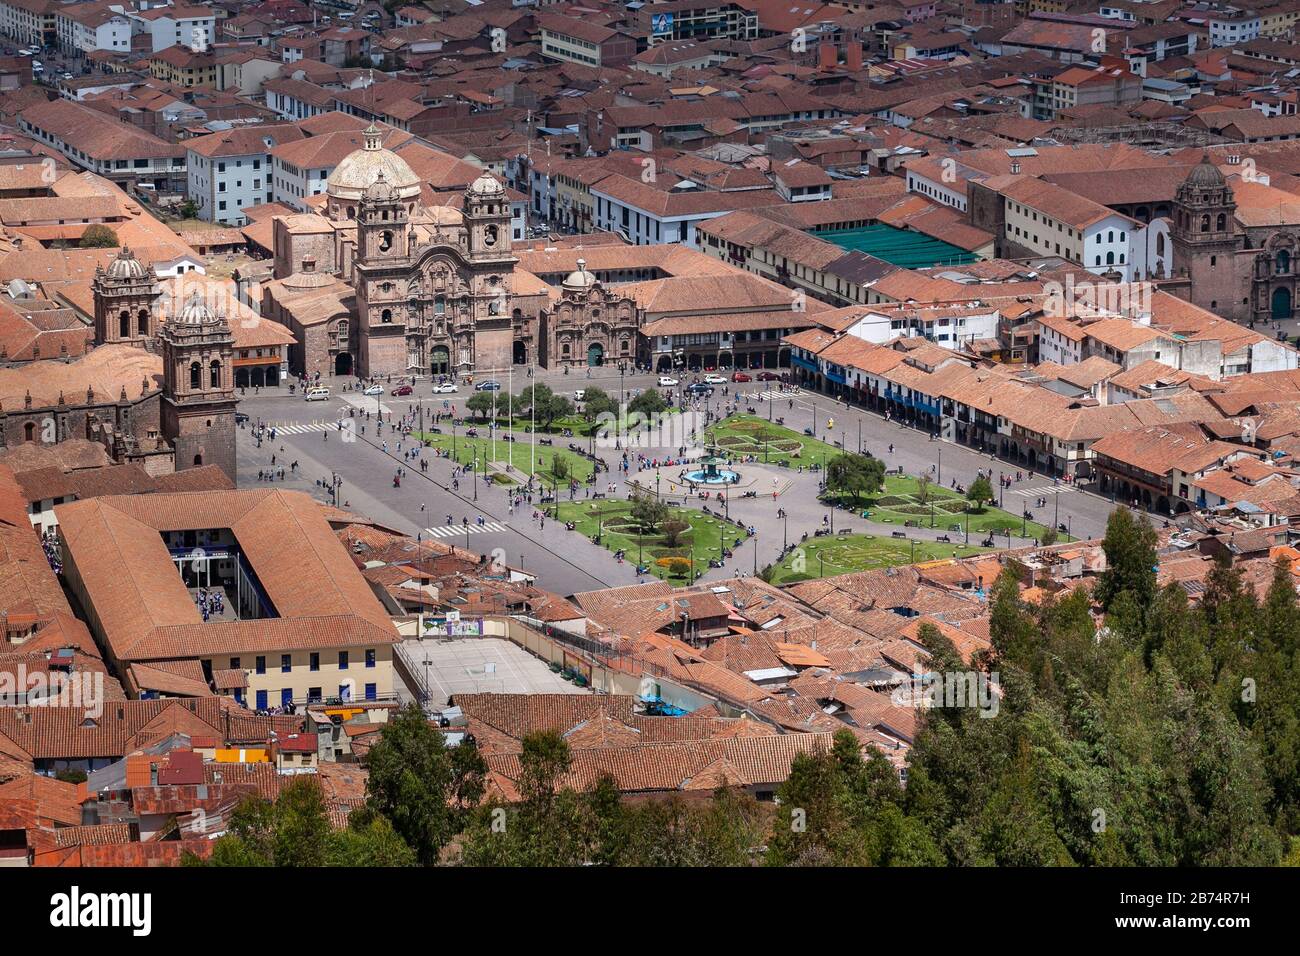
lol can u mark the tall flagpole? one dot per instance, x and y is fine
(510, 407)
(532, 428)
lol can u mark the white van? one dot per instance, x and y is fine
(317, 394)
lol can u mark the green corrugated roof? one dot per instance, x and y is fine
(908, 250)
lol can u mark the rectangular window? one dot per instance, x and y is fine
(234, 663)
(286, 664)
(372, 692)
(314, 662)
(261, 700)
(343, 660)
(313, 695)
(370, 657)
(261, 664)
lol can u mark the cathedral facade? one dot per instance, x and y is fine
(378, 283)
(1242, 268)
(166, 396)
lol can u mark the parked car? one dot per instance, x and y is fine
(715, 379)
(700, 388)
(373, 390)
(317, 394)
(741, 377)
(404, 390)
(768, 377)
(488, 386)
(667, 381)
(445, 388)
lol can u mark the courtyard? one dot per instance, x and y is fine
(482, 665)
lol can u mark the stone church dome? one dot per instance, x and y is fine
(1205, 175)
(126, 266)
(581, 280)
(359, 170)
(195, 312)
(487, 185)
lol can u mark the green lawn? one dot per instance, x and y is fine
(897, 504)
(612, 522)
(859, 552)
(944, 511)
(518, 453)
(751, 435)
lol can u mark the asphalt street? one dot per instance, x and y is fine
(565, 562)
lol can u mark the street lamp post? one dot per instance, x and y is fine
(474, 470)
(941, 466)
(785, 530)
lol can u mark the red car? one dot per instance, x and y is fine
(741, 377)
(768, 376)
(403, 390)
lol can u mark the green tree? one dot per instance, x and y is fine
(417, 783)
(672, 530)
(1130, 549)
(855, 475)
(597, 402)
(98, 236)
(980, 492)
(542, 404)
(648, 512)
(293, 831)
(923, 488)
(373, 843)
(551, 826)
(650, 402)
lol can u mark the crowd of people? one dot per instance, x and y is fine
(211, 602)
(50, 545)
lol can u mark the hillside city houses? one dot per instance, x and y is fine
(1061, 234)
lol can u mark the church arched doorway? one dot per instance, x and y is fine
(439, 360)
(521, 353)
(272, 375)
(1281, 304)
(343, 363)
(595, 354)
(665, 364)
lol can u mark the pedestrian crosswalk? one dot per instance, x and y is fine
(301, 428)
(451, 530)
(775, 396)
(1041, 491)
